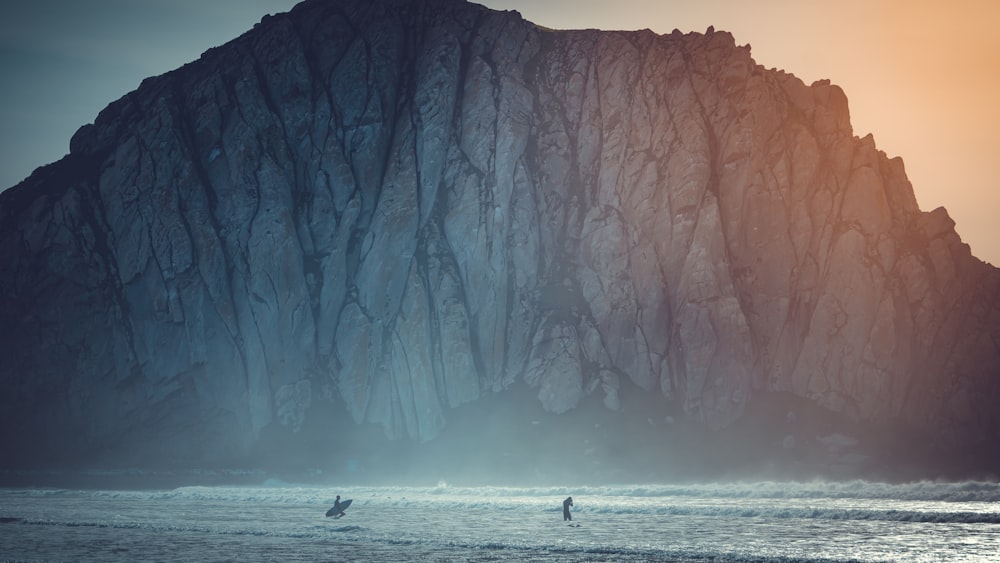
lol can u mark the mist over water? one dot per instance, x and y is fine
(648, 486)
(491, 487)
(508, 439)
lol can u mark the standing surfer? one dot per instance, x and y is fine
(566, 504)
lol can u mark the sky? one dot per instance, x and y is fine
(921, 76)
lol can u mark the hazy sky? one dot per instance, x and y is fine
(921, 76)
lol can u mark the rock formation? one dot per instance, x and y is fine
(398, 207)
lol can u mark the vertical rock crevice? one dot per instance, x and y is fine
(395, 209)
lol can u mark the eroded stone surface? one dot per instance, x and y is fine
(415, 205)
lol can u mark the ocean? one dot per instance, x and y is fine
(720, 522)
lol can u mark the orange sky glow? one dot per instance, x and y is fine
(921, 76)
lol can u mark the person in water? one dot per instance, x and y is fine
(336, 510)
(566, 504)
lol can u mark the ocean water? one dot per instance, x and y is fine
(764, 521)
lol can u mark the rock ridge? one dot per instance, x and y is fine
(396, 208)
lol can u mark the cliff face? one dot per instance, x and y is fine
(400, 207)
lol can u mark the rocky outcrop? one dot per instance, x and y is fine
(399, 207)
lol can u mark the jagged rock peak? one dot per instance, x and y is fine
(395, 208)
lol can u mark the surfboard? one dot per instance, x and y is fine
(343, 506)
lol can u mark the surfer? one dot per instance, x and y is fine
(336, 508)
(566, 504)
